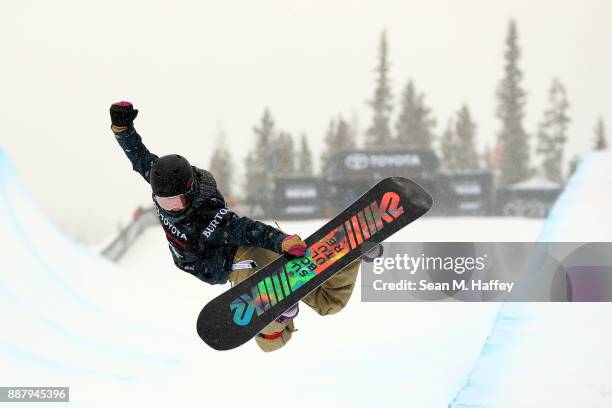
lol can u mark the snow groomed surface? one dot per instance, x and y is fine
(61, 323)
(124, 335)
(553, 354)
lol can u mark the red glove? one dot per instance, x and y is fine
(293, 245)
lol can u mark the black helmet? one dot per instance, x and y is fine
(170, 176)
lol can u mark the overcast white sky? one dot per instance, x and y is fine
(193, 67)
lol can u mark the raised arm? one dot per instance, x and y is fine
(122, 117)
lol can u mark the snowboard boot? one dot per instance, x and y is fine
(278, 333)
(275, 335)
(375, 252)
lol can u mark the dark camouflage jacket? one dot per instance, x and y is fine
(203, 238)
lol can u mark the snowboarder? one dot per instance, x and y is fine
(210, 241)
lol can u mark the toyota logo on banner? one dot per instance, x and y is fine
(357, 161)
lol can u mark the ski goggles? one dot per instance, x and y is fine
(174, 203)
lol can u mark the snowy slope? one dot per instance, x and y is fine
(124, 335)
(371, 354)
(554, 355)
(63, 310)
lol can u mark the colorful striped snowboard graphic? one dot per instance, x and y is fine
(237, 315)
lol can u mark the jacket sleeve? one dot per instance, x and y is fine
(203, 269)
(131, 143)
(245, 231)
(235, 230)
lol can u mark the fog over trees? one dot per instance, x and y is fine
(408, 122)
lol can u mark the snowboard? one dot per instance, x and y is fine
(237, 315)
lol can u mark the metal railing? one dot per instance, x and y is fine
(141, 220)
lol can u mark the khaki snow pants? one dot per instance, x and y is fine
(328, 298)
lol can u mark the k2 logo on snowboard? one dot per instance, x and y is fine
(348, 236)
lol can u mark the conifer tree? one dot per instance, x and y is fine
(552, 132)
(344, 135)
(465, 129)
(573, 165)
(265, 136)
(284, 155)
(458, 143)
(221, 167)
(330, 142)
(339, 136)
(305, 166)
(379, 134)
(601, 139)
(512, 139)
(260, 163)
(447, 147)
(414, 126)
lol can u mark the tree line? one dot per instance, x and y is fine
(277, 153)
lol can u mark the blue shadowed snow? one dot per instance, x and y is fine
(124, 335)
(553, 354)
(44, 314)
